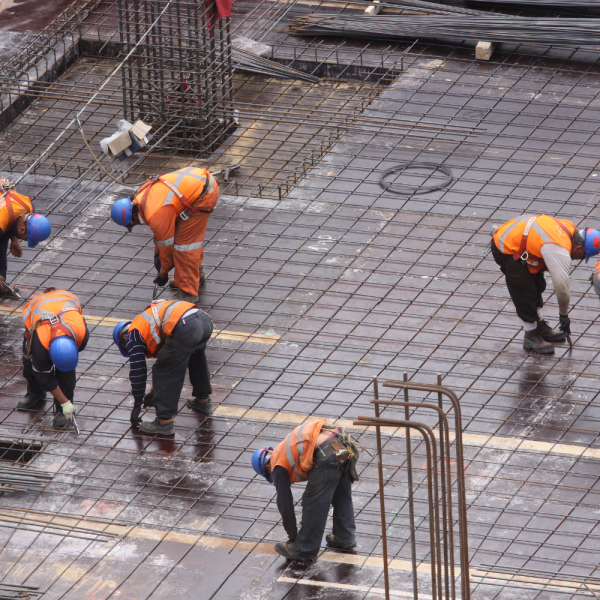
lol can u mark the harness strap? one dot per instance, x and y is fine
(10, 198)
(522, 254)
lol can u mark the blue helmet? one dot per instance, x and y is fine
(38, 229)
(592, 243)
(64, 353)
(122, 212)
(116, 334)
(259, 460)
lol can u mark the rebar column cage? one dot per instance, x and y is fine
(439, 483)
(178, 68)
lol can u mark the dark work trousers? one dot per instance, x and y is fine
(327, 486)
(183, 350)
(38, 383)
(525, 288)
(4, 240)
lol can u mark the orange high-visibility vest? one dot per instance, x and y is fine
(527, 234)
(295, 453)
(54, 314)
(12, 206)
(182, 189)
(157, 322)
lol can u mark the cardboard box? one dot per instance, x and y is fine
(140, 132)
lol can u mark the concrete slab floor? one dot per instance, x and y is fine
(313, 296)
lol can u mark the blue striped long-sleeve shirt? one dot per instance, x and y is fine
(138, 370)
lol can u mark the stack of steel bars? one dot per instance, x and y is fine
(15, 478)
(494, 28)
(246, 61)
(54, 523)
(12, 591)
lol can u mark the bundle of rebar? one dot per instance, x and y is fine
(493, 28)
(10, 591)
(246, 61)
(14, 478)
(55, 523)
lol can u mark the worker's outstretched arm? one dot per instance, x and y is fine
(285, 501)
(558, 261)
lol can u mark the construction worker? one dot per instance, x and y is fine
(18, 221)
(176, 333)
(176, 206)
(56, 333)
(317, 453)
(524, 248)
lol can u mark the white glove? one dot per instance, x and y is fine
(68, 410)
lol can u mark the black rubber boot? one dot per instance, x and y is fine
(549, 334)
(155, 427)
(333, 543)
(534, 341)
(288, 551)
(59, 421)
(28, 402)
(202, 406)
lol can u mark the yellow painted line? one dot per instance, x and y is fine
(208, 541)
(470, 439)
(238, 336)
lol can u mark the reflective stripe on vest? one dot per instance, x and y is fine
(173, 186)
(288, 452)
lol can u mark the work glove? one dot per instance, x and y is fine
(565, 324)
(68, 410)
(149, 399)
(160, 280)
(135, 415)
(157, 263)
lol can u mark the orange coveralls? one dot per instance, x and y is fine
(179, 232)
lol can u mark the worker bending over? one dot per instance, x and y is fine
(524, 248)
(56, 333)
(317, 453)
(176, 207)
(18, 221)
(176, 333)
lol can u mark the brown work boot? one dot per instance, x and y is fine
(185, 297)
(549, 334)
(172, 284)
(202, 274)
(534, 341)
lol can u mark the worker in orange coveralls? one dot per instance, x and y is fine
(176, 206)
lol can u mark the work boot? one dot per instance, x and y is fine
(158, 427)
(59, 421)
(549, 334)
(185, 297)
(29, 401)
(534, 341)
(333, 543)
(172, 284)
(288, 551)
(201, 405)
(202, 274)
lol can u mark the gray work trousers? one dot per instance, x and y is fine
(182, 351)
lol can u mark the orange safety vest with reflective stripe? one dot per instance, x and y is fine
(524, 236)
(295, 453)
(182, 189)
(157, 322)
(53, 314)
(12, 206)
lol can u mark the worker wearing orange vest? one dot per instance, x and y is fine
(317, 453)
(18, 221)
(175, 333)
(55, 334)
(176, 206)
(524, 248)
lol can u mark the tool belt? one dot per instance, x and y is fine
(345, 451)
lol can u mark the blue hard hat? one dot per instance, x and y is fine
(64, 353)
(122, 212)
(592, 243)
(116, 333)
(259, 459)
(38, 229)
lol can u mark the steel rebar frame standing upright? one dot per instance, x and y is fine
(180, 72)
